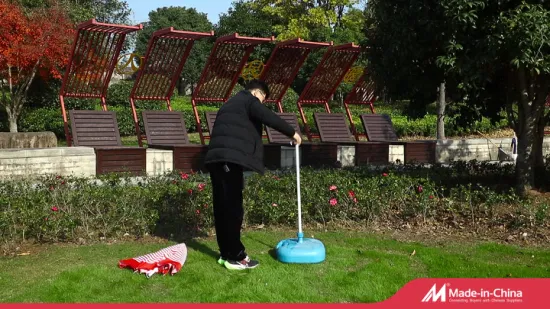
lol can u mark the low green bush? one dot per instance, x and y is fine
(118, 94)
(43, 119)
(48, 118)
(69, 209)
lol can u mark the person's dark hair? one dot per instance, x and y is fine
(258, 84)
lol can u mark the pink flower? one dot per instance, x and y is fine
(419, 189)
(190, 191)
(198, 211)
(57, 177)
(51, 188)
(63, 182)
(333, 201)
(431, 197)
(355, 200)
(184, 176)
(385, 174)
(351, 194)
(54, 208)
(201, 186)
(274, 205)
(332, 188)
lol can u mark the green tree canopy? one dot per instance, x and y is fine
(501, 52)
(405, 39)
(181, 18)
(302, 18)
(496, 54)
(106, 11)
(244, 19)
(339, 21)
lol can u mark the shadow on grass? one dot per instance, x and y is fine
(195, 245)
(186, 237)
(272, 252)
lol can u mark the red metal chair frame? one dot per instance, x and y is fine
(94, 55)
(221, 67)
(166, 54)
(328, 75)
(362, 93)
(283, 66)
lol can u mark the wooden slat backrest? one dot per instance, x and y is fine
(333, 127)
(94, 128)
(378, 127)
(210, 119)
(165, 128)
(276, 137)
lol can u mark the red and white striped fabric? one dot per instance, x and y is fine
(168, 260)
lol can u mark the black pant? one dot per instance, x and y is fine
(227, 190)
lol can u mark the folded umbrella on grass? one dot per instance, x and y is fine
(166, 261)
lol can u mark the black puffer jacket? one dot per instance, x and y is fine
(237, 133)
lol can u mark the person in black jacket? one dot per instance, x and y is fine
(236, 145)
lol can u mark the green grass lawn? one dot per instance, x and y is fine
(359, 268)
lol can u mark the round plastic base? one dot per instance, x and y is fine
(300, 251)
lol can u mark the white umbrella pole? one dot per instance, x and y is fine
(300, 234)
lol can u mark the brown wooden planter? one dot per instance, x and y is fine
(379, 127)
(99, 129)
(375, 153)
(121, 160)
(420, 152)
(167, 130)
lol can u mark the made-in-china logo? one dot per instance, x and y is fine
(446, 293)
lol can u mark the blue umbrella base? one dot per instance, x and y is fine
(301, 251)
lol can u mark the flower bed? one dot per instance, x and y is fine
(57, 209)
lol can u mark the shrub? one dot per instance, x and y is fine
(45, 94)
(42, 114)
(48, 118)
(183, 104)
(118, 94)
(70, 209)
(289, 101)
(43, 119)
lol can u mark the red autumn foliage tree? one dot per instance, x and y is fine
(32, 44)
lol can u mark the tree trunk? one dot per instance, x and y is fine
(525, 175)
(538, 160)
(441, 104)
(17, 96)
(181, 87)
(531, 132)
(12, 119)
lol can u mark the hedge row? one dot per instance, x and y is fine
(69, 209)
(48, 118)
